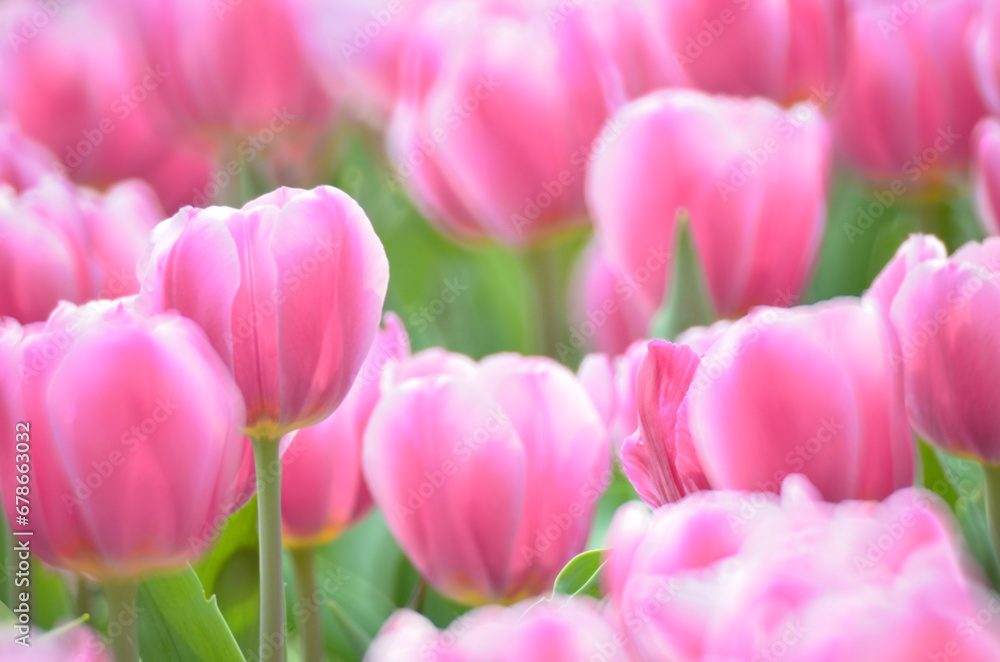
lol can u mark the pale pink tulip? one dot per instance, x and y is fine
(488, 481)
(752, 180)
(323, 491)
(986, 173)
(909, 103)
(289, 290)
(59, 242)
(496, 120)
(23, 162)
(79, 644)
(944, 313)
(559, 630)
(133, 428)
(787, 50)
(611, 385)
(986, 53)
(736, 576)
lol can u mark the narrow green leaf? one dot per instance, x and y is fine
(688, 302)
(354, 633)
(581, 576)
(177, 623)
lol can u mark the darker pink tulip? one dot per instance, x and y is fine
(323, 491)
(787, 50)
(753, 181)
(289, 290)
(488, 480)
(133, 430)
(60, 242)
(497, 118)
(734, 576)
(986, 173)
(944, 313)
(908, 104)
(557, 630)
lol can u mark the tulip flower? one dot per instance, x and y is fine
(986, 55)
(496, 120)
(908, 102)
(236, 66)
(611, 385)
(488, 481)
(324, 491)
(23, 162)
(289, 290)
(788, 50)
(986, 173)
(731, 575)
(59, 242)
(129, 429)
(752, 183)
(560, 630)
(79, 644)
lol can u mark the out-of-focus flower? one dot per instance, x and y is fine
(58, 242)
(557, 630)
(610, 381)
(23, 162)
(750, 176)
(908, 103)
(944, 311)
(731, 575)
(133, 425)
(289, 290)
(488, 480)
(79, 644)
(497, 119)
(323, 491)
(986, 173)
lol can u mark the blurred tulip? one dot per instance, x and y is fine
(909, 103)
(944, 312)
(133, 427)
(557, 630)
(58, 242)
(496, 120)
(787, 50)
(752, 180)
(232, 65)
(289, 290)
(606, 310)
(986, 54)
(736, 576)
(488, 481)
(986, 173)
(611, 385)
(323, 491)
(79, 644)
(23, 162)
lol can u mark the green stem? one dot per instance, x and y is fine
(310, 623)
(272, 585)
(123, 623)
(545, 275)
(991, 476)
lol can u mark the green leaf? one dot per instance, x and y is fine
(688, 302)
(177, 623)
(356, 635)
(581, 575)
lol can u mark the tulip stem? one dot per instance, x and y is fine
(123, 625)
(991, 479)
(310, 623)
(272, 583)
(544, 274)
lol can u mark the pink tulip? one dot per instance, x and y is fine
(606, 310)
(59, 242)
(488, 481)
(944, 312)
(323, 491)
(79, 644)
(238, 66)
(752, 181)
(788, 50)
(611, 385)
(496, 121)
(560, 630)
(23, 162)
(132, 426)
(986, 54)
(735, 576)
(289, 290)
(986, 173)
(908, 103)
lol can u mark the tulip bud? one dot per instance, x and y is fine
(131, 426)
(488, 481)
(289, 290)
